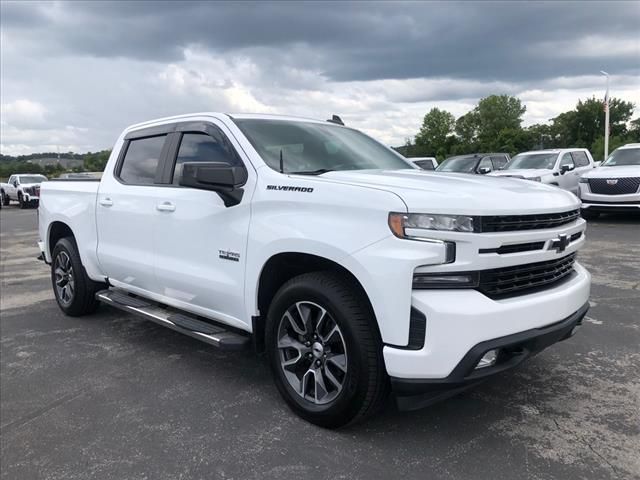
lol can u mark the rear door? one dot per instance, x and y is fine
(201, 244)
(125, 211)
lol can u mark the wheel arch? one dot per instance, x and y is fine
(58, 230)
(283, 266)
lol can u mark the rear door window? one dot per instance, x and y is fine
(141, 160)
(580, 159)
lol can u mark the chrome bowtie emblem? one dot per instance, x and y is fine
(559, 244)
(613, 181)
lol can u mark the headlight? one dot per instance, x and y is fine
(535, 179)
(583, 180)
(445, 280)
(398, 222)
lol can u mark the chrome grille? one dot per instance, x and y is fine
(614, 186)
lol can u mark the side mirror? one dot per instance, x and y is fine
(484, 170)
(566, 168)
(218, 177)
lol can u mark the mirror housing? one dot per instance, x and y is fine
(219, 177)
(484, 170)
(566, 168)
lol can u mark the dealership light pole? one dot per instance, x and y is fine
(606, 117)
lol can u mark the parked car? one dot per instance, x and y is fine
(614, 186)
(478, 163)
(559, 167)
(23, 188)
(323, 248)
(425, 163)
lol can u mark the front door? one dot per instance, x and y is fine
(201, 244)
(568, 180)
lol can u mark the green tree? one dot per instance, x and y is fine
(494, 114)
(467, 130)
(437, 126)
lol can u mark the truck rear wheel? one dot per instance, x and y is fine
(73, 289)
(325, 350)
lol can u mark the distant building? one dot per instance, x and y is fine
(65, 162)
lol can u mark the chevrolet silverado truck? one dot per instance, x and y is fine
(23, 188)
(559, 167)
(614, 186)
(355, 272)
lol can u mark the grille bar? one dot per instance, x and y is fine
(614, 186)
(520, 279)
(526, 222)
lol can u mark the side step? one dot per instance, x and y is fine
(213, 334)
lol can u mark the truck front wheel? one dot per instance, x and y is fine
(73, 289)
(21, 201)
(5, 199)
(325, 350)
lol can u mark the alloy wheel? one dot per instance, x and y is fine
(313, 353)
(64, 279)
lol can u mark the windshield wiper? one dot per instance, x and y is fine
(320, 171)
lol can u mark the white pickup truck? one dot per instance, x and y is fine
(24, 188)
(354, 271)
(559, 167)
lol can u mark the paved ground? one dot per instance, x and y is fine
(114, 397)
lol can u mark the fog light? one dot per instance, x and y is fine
(488, 359)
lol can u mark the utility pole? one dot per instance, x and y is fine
(606, 117)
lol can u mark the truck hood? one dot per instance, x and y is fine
(29, 185)
(622, 171)
(460, 193)
(522, 172)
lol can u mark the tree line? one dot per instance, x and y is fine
(91, 162)
(495, 125)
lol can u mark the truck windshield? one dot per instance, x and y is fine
(32, 178)
(532, 160)
(315, 148)
(626, 156)
(458, 164)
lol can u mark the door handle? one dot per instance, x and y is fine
(166, 207)
(106, 202)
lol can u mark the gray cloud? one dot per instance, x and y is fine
(358, 41)
(75, 73)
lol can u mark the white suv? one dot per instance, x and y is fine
(559, 167)
(615, 185)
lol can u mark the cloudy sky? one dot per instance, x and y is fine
(74, 74)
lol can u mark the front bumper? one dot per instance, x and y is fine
(412, 394)
(29, 197)
(608, 203)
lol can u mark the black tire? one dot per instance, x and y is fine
(21, 201)
(589, 215)
(365, 384)
(5, 199)
(81, 299)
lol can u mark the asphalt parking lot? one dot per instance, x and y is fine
(114, 397)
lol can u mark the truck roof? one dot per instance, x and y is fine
(266, 116)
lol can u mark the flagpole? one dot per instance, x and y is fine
(606, 117)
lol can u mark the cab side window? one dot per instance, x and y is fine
(566, 160)
(141, 159)
(201, 147)
(485, 163)
(498, 161)
(580, 159)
